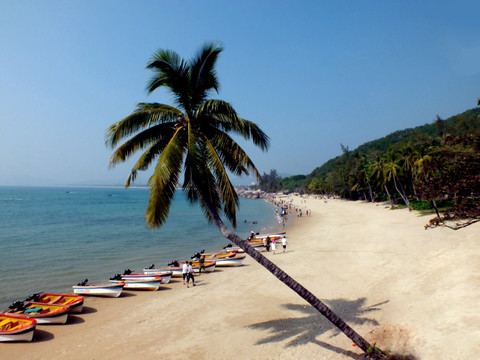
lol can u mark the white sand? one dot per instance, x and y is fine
(403, 287)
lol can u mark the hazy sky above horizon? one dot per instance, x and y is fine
(312, 74)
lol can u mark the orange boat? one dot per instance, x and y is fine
(74, 302)
(42, 313)
(16, 328)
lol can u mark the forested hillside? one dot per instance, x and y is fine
(433, 164)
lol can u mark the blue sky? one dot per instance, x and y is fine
(312, 74)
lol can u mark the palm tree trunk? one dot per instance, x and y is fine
(388, 193)
(402, 193)
(295, 286)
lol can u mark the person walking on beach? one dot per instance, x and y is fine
(268, 241)
(274, 245)
(284, 243)
(201, 264)
(190, 274)
(185, 272)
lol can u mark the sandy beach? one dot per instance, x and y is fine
(401, 286)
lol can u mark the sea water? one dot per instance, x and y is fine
(52, 238)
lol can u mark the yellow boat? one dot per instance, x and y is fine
(43, 313)
(16, 328)
(74, 302)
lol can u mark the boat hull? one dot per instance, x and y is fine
(233, 261)
(106, 290)
(74, 302)
(152, 285)
(16, 328)
(177, 271)
(166, 275)
(49, 314)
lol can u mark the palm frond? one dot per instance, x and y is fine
(223, 115)
(164, 180)
(202, 72)
(145, 115)
(225, 188)
(171, 72)
(158, 134)
(231, 153)
(146, 159)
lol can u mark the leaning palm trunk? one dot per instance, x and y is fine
(295, 286)
(402, 192)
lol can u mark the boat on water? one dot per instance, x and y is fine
(16, 328)
(42, 313)
(146, 284)
(74, 302)
(165, 275)
(108, 290)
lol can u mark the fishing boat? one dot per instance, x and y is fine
(165, 275)
(176, 267)
(233, 260)
(146, 284)
(42, 313)
(108, 290)
(74, 302)
(16, 328)
(223, 258)
(260, 237)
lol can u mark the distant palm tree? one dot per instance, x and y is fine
(376, 169)
(392, 170)
(193, 137)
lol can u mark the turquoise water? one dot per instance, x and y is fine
(52, 238)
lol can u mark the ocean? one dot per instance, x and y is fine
(54, 237)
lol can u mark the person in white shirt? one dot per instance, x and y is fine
(284, 243)
(190, 274)
(185, 271)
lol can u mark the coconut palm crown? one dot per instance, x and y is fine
(191, 137)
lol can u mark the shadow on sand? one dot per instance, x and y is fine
(42, 335)
(88, 310)
(308, 327)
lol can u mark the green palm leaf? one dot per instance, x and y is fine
(164, 180)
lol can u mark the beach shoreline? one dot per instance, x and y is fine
(400, 286)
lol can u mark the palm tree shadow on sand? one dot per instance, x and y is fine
(307, 328)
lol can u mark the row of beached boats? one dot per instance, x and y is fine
(19, 321)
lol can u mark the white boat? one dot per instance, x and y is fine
(107, 290)
(176, 268)
(147, 284)
(235, 260)
(166, 275)
(16, 328)
(260, 237)
(224, 258)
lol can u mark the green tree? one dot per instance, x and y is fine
(271, 182)
(376, 169)
(193, 136)
(392, 170)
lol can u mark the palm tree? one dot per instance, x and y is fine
(377, 171)
(193, 137)
(392, 170)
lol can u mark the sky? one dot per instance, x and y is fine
(312, 74)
